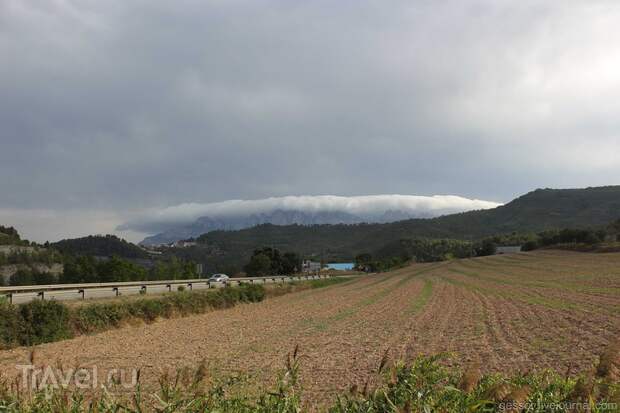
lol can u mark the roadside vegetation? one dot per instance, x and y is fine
(47, 321)
(40, 321)
(422, 385)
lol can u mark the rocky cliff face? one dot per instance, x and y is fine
(12, 249)
(7, 271)
(26, 258)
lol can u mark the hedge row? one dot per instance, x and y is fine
(46, 321)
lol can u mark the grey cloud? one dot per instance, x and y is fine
(130, 105)
(157, 220)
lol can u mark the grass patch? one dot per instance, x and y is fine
(381, 278)
(326, 282)
(421, 299)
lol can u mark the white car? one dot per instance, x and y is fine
(219, 278)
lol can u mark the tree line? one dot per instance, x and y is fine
(270, 261)
(404, 251)
(88, 269)
(587, 236)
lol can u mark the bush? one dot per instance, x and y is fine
(485, 248)
(99, 317)
(253, 293)
(150, 310)
(530, 246)
(9, 326)
(42, 322)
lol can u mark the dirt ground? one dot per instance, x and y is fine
(511, 313)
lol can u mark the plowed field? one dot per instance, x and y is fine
(525, 311)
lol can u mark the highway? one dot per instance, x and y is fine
(66, 292)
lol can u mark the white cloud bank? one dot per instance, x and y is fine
(364, 206)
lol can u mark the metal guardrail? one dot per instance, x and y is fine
(81, 289)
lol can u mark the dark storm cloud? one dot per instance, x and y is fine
(119, 106)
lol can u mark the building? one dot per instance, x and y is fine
(184, 244)
(341, 266)
(310, 266)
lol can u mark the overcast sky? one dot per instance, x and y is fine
(109, 108)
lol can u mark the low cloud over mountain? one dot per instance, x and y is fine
(193, 219)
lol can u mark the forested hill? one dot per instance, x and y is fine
(9, 236)
(536, 211)
(100, 245)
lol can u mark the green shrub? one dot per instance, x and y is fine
(9, 326)
(43, 321)
(253, 293)
(230, 296)
(150, 309)
(99, 317)
(189, 302)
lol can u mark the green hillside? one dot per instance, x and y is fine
(539, 210)
(100, 245)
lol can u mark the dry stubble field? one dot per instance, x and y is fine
(538, 310)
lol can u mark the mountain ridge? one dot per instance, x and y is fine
(534, 211)
(539, 210)
(279, 217)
